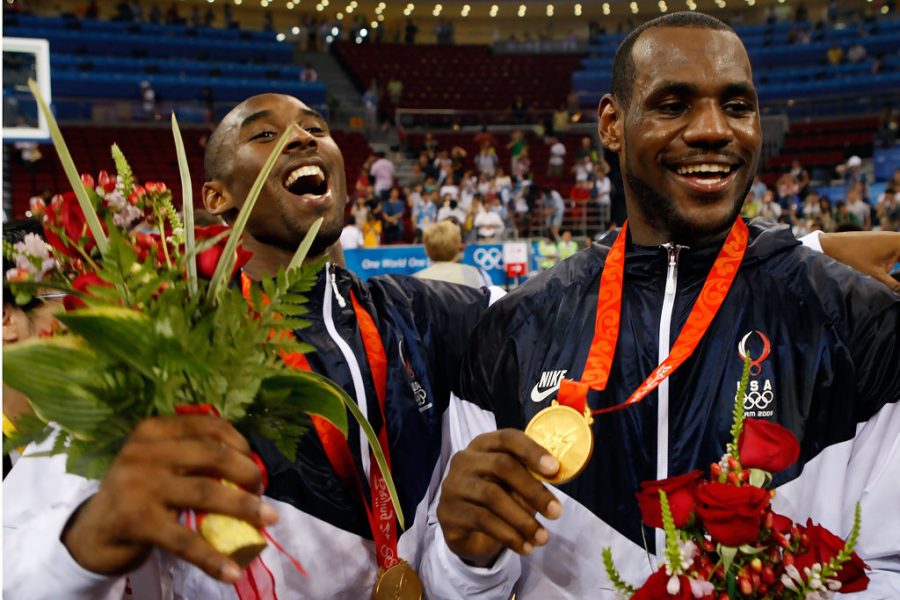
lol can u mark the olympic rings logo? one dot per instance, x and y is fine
(488, 258)
(758, 400)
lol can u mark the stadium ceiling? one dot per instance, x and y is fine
(486, 9)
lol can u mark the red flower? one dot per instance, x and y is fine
(767, 446)
(680, 493)
(209, 258)
(81, 284)
(823, 546)
(732, 515)
(656, 587)
(149, 243)
(87, 180)
(64, 214)
(107, 182)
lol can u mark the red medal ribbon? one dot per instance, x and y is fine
(381, 515)
(606, 329)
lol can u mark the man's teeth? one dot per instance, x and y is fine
(307, 171)
(703, 168)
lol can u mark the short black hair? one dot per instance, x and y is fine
(213, 157)
(623, 65)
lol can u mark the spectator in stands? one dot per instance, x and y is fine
(889, 211)
(560, 119)
(268, 23)
(515, 146)
(554, 211)
(360, 210)
(93, 10)
(370, 107)
(801, 177)
(410, 31)
(769, 208)
(424, 210)
(195, 20)
(490, 222)
(392, 214)
(458, 156)
(856, 206)
(523, 165)
(351, 236)
(835, 55)
(449, 188)
(148, 100)
(430, 146)
(587, 149)
(566, 246)
(309, 74)
(228, 18)
(416, 175)
(852, 172)
(209, 17)
(557, 158)
(548, 252)
(751, 207)
(519, 109)
(812, 207)
(443, 245)
(395, 91)
(856, 53)
(450, 210)
(825, 220)
(486, 161)
(371, 231)
(887, 128)
(844, 220)
(383, 172)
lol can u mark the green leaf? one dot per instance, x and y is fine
(303, 249)
(760, 478)
(613, 574)
(123, 170)
(187, 206)
(59, 375)
(65, 157)
(125, 334)
(310, 393)
(727, 554)
(737, 424)
(750, 550)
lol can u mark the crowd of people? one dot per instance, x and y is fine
(795, 202)
(490, 201)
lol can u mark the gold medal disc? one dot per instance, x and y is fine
(399, 582)
(567, 435)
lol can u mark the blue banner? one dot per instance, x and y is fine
(369, 262)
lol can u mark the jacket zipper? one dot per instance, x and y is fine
(662, 392)
(349, 357)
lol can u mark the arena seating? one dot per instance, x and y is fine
(461, 77)
(783, 71)
(97, 59)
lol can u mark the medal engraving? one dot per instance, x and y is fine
(566, 434)
(399, 582)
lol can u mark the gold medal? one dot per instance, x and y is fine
(567, 435)
(399, 582)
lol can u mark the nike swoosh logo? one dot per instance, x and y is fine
(539, 396)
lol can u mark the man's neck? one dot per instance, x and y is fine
(267, 259)
(643, 233)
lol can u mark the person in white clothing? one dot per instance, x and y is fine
(351, 236)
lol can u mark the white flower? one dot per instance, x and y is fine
(788, 582)
(833, 585)
(32, 256)
(686, 549)
(700, 588)
(127, 216)
(116, 200)
(674, 586)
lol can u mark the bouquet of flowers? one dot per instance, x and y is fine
(723, 540)
(152, 327)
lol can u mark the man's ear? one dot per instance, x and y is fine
(216, 198)
(609, 123)
(10, 332)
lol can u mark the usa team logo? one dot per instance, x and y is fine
(760, 393)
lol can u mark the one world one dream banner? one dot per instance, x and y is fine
(369, 262)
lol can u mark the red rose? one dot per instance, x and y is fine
(767, 446)
(656, 587)
(149, 243)
(732, 515)
(680, 493)
(81, 284)
(822, 547)
(64, 214)
(209, 258)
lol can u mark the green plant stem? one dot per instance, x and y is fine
(65, 157)
(162, 236)
(187, 207)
